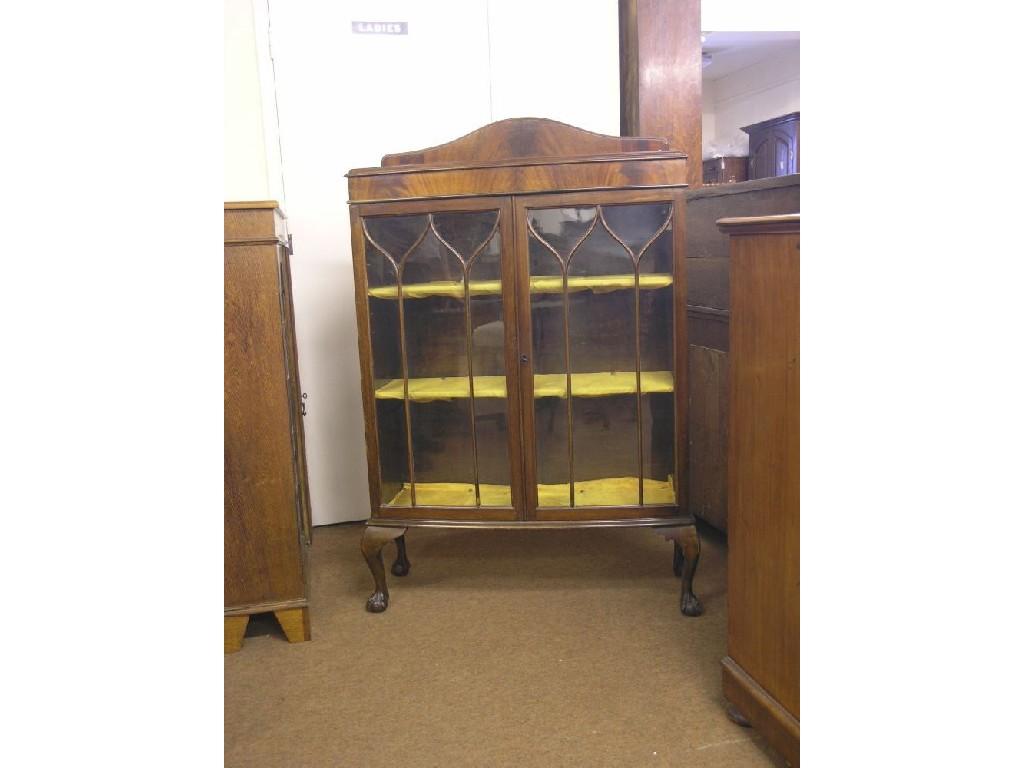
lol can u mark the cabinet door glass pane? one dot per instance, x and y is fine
(656, 354)
(601, 312)
(386, 346)
(437, 339)
(490, 411)
(547, 312)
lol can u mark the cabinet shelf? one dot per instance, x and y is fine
(603, 492)
(455, 288)
(544, 385)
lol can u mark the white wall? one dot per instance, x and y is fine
(557, 59)
(707, 118)
(245, 165)
(749, 15)
(345, 100)
(745, 95)
(268, 102)
(767, 89)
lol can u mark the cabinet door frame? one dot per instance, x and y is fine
(762, 151)
(568, 514)
(421, 512)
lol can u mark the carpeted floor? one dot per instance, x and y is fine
(501, 648)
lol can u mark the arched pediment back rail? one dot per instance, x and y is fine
(525, 137)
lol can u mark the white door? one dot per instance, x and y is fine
(345, 99)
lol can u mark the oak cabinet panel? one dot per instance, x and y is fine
(266, 496)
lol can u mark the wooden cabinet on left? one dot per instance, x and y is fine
(266, 494)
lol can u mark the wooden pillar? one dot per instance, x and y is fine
(659, 74)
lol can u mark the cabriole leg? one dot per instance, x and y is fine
(374, 539)
(685, 555)
(690, 542)
(401, 565)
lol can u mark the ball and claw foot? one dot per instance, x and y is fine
(690, 605)
(374, 539)
(401, 565)
(687, 554)
(377, 602)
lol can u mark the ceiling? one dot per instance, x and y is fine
(733, 51)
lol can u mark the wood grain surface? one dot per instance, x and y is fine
(259, 221)
(652, 170)
(295, 624)
(708, 434)
(234, 632)
(660, 74)
(764, 474)
(263, 492)
(707, 271)
(524, 137)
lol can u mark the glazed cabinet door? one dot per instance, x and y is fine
(601, 310)
(435, 295)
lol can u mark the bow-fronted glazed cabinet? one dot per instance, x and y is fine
(520, 298)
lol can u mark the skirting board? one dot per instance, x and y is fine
(778, 727)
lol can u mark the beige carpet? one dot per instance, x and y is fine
(501, 648)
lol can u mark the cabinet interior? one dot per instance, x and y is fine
(600, 285)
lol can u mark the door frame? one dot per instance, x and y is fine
(506, 230)
(521, 204)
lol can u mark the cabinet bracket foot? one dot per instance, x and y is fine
(295, 624)
(234, 632)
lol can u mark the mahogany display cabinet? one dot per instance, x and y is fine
(520, 298)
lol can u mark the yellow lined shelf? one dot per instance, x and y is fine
(455, 288)
(603, 492)
(453, 495)
(544, 385)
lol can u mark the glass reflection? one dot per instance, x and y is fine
(609, 323)
(449, 345)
